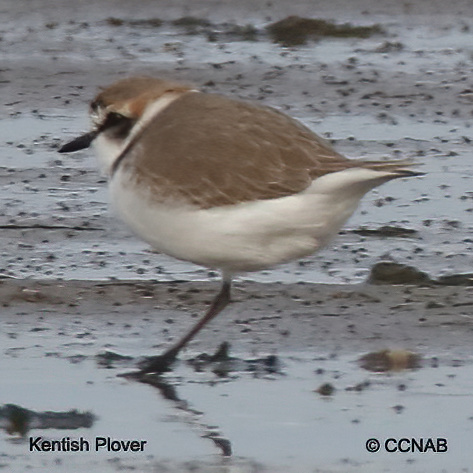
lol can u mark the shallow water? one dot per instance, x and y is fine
(411, 101)
(276, 420)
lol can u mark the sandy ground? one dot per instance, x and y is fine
(83, 300)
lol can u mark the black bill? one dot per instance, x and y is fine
(79, 143)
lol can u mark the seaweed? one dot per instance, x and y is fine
(295, 30)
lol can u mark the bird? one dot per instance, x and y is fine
(221, 182)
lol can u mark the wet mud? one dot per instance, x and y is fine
(283, 345)
(371, 338)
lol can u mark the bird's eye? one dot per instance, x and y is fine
(114, 119)
(116, 125)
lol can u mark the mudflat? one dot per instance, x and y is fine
(83, 300)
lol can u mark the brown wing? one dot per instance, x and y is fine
(210, 150)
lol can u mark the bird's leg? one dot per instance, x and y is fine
(163, 362)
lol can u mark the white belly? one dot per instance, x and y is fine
(243, 237)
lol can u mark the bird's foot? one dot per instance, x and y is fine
(157, 364)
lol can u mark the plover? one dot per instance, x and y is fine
(221, 182)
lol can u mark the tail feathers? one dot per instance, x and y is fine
(396, 169)
(407, 173)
